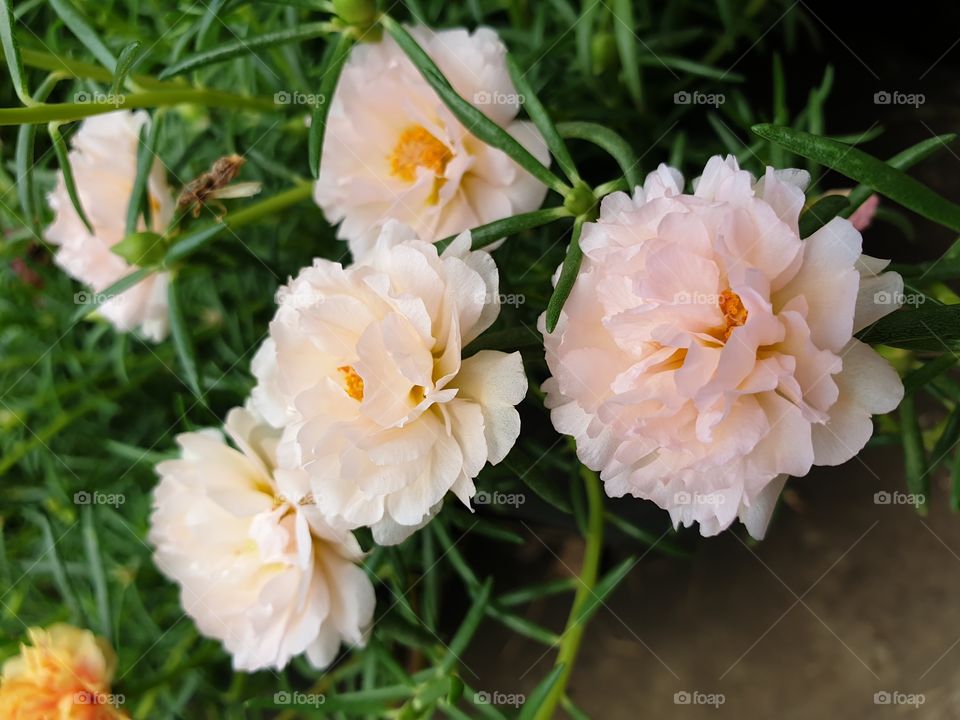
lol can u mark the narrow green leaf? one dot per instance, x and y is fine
(451, 553)
(537, 113)
(870, 171)
(623, 32)
(540, 693)
(484, 235)
(182, 340)
(24, 160)
(55, 563)
(608, 140)
(535, 592)
(124, 283)
(690, 67)
(97, 576)
(375, 700)
(947, 440)
(604, 588)
(245, 46)
(573, 711)
(914, 456)
(916, 379)
(145, 159)
(328, 84)
(129, 57)
(901, 161)
(468, 627)
(11, 51)
(583, 29)
(655, 542)
(820, 213)
(78, 25)
(475, 121)
(935, 328)
(568, 276)
(63, 157)
(522, 626)
(548, 489)
(431, 588)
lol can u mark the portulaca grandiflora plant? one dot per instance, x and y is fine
(315, 314)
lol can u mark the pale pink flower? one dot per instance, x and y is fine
(259, 568)
(392, 149)
(706, 352)
(104, 165)
(364, 369)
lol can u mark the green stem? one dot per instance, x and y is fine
(611, 142)
(65, 112)
(86, 70)
(573, 632)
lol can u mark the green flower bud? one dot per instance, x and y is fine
(356, 12)
(141, 248)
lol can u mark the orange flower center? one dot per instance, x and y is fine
(352, 382)
(734, 313)
(418, 148)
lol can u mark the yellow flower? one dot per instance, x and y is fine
(63, 674)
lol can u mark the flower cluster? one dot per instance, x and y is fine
(706, 353)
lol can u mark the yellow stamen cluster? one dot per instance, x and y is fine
(352, 382)
(734, 313)
(418, 148)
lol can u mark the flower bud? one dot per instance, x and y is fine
(141, 248)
